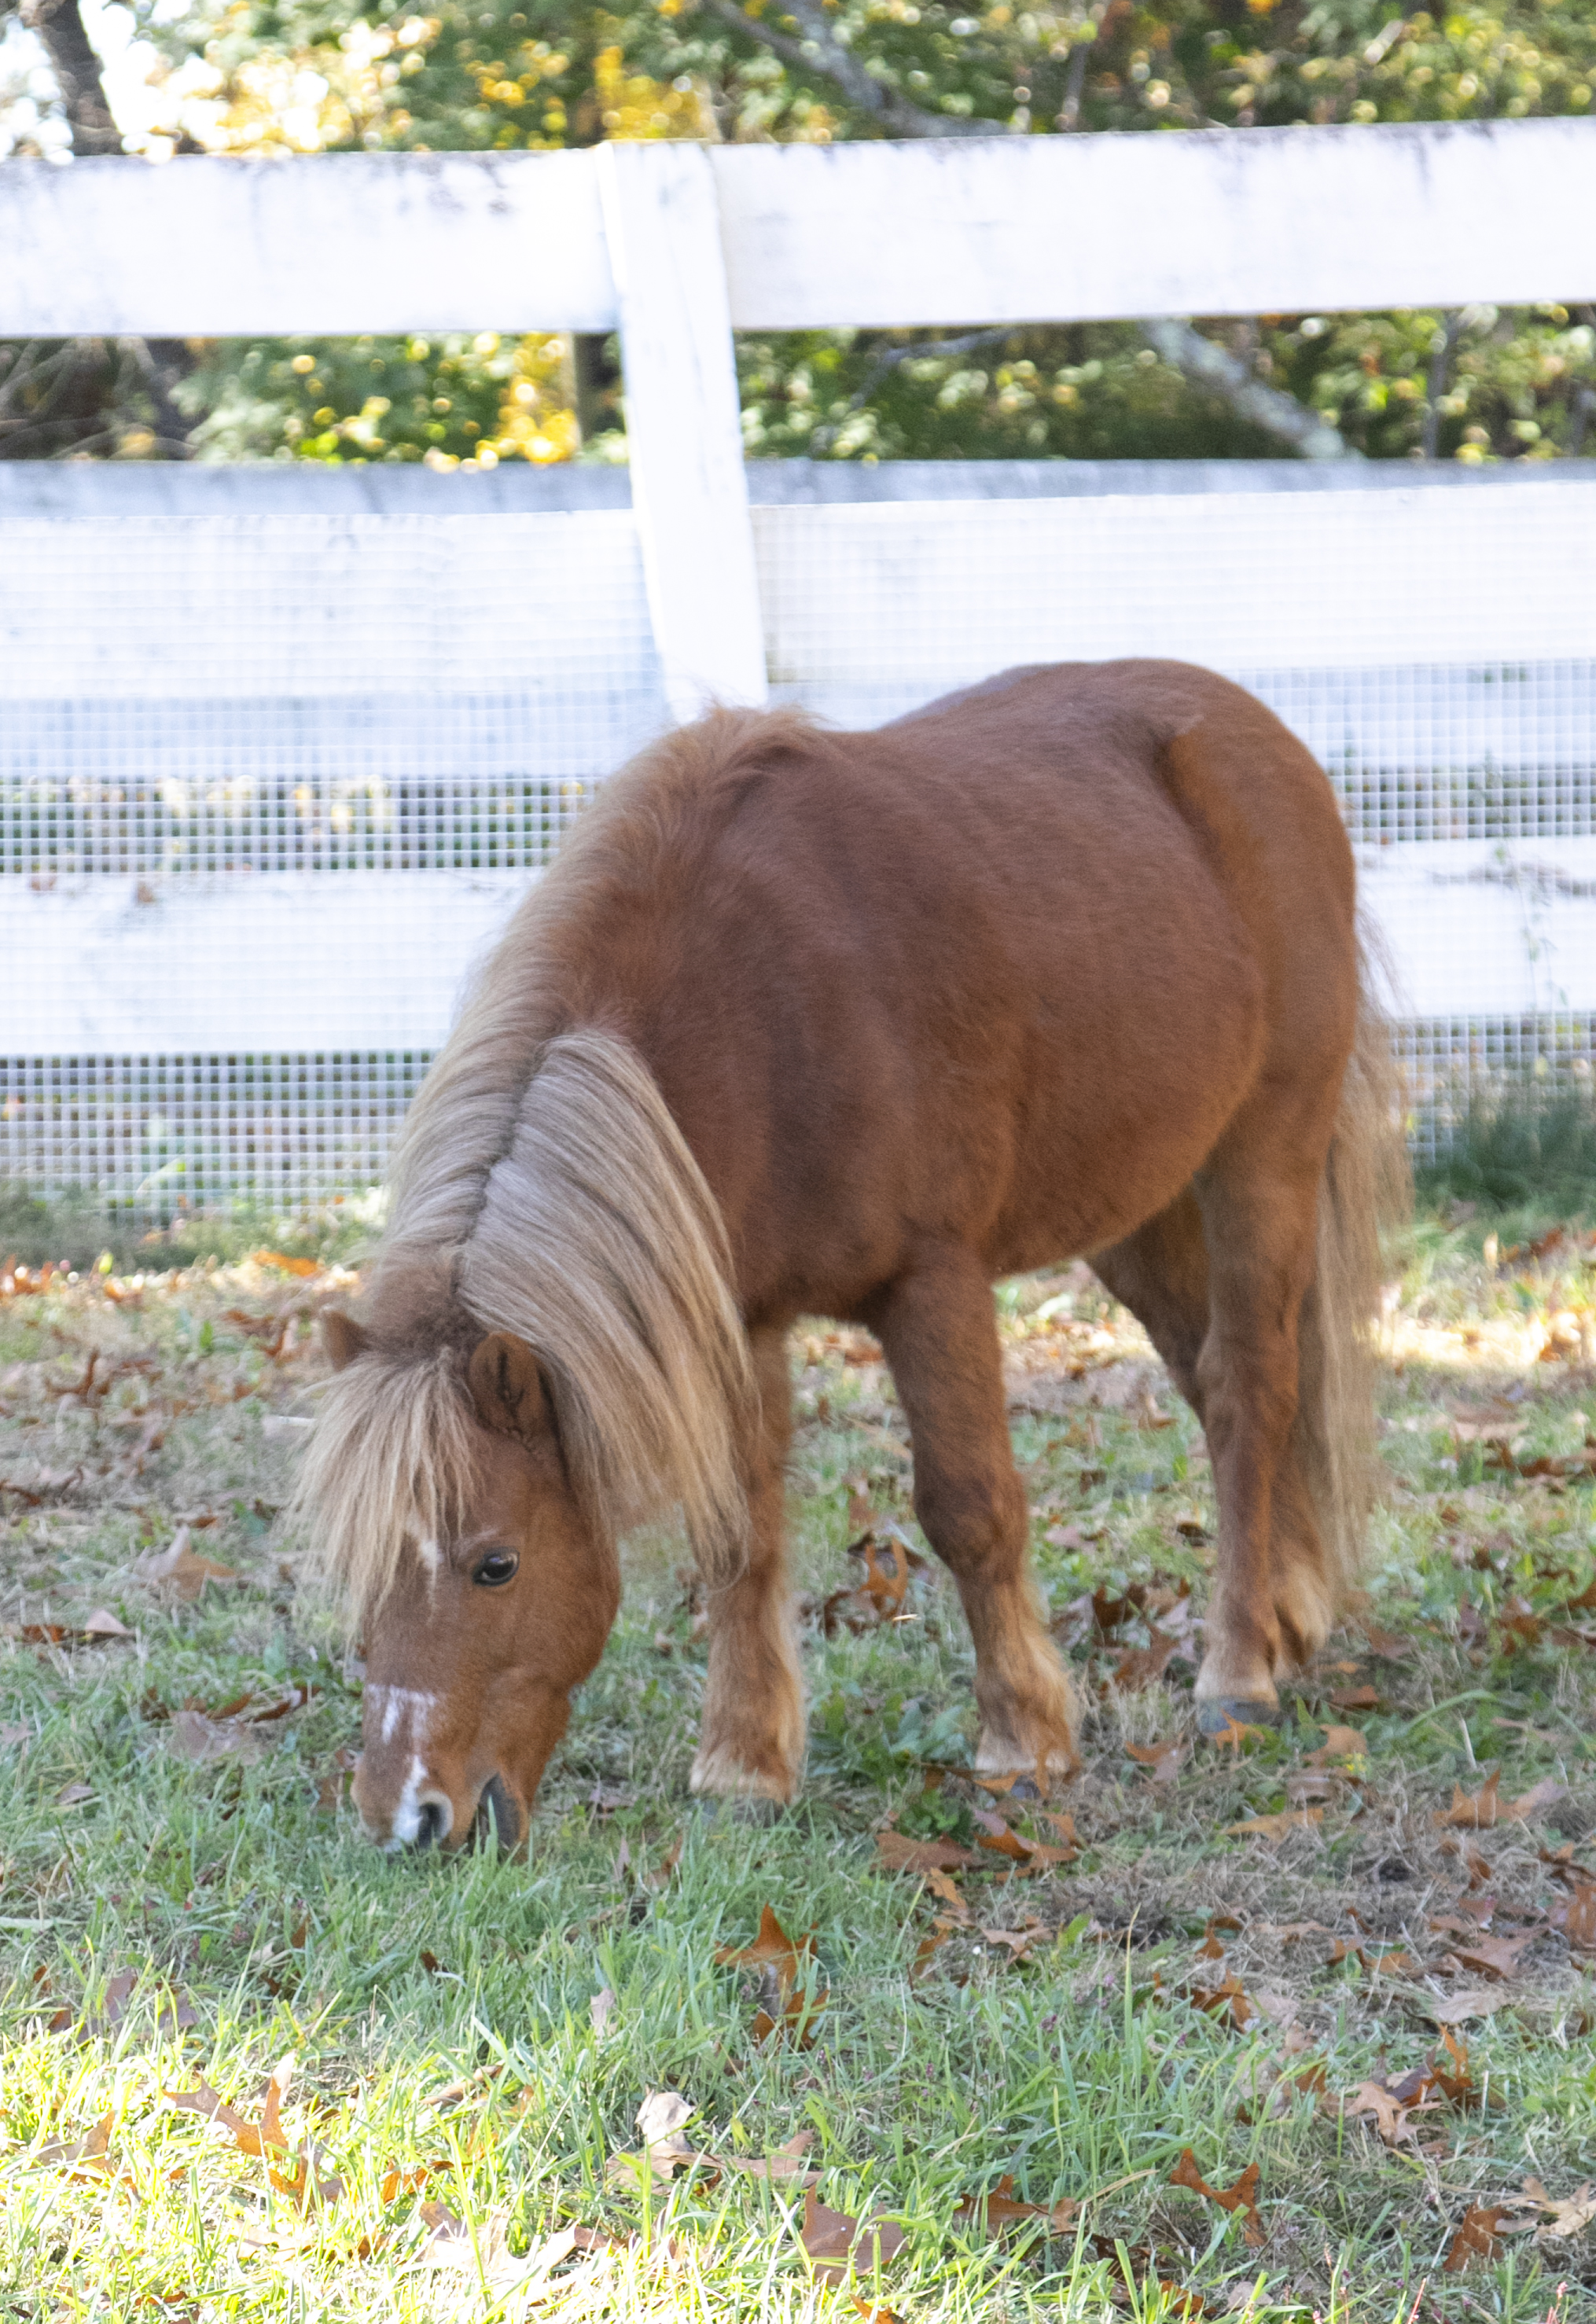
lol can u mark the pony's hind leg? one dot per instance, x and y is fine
(938, 1329)
(1270, 1607)
(752, 1735)
(1161, 1274)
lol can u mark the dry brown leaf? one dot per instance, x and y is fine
(659, 2120)
(1472, 2001)
(899, 1853)
(1480, 1810)
(602, 2010)
(1162, 1761)
(939, 1884)
(1340, 1743)
(1576, 1917)
(1496, 1956)
(1389, 2112)
(1356, 1698)
(103, 1624)
(179, 1569)
(195, 1737)
(110, 2012)
(987, 2213)
(1242, 2196)
(1278, 1827)
(1227, 2000)
(926, 1950)
(1568, 2216)
(1478, 2237)
(84, 2158)
(837, 2244)
(1141, 1666)
(787, 2003)
(785, 2168)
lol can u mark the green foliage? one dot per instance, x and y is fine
(455, 398)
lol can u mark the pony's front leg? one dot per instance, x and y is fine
(938, 1328)
(751, 1741)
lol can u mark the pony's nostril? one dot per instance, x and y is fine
(498, 1820)
(432, 1825)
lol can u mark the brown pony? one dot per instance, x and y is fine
(852, 1023)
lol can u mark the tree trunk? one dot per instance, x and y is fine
(77, 69)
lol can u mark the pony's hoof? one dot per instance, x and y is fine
(1218, 1713)
(750, 1811)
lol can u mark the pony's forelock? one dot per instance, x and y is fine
(596, 1240)
(393, 1462)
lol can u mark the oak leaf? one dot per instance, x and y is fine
(837, 2244)
(1479, 2236)
(988, 2213)
(1162, 1761)
(1242, 2196)
(899, 1853)
(1278, 1827)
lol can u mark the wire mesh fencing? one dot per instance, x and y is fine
(272, 776)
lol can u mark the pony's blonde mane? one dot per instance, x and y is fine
(543, 1187)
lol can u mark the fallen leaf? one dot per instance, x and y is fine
(1141, 1666)
(1568, 2216)
(785, 2004)
(103, 1624)
(1278, 1827)
(74, 1795)
(899, 1853)
(1162, 1761)
(284, 1265)
(196, 1738)
(1227, 2000)
(660, 2119)
(1478, 2237)
(784, 2168)
(1472, 2001)
(1356, 1698)
(84, 2158)
(1242, 2196)
(837, 2244)
(179, 1570)
(1576, 1917)
(1389, 2112)
(987, 2213)
(602, 2010)
(1496, 1956)
(1480, 1810)
(1340, 1743)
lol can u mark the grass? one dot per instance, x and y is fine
(440, 2014)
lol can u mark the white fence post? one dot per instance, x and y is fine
(683, 421)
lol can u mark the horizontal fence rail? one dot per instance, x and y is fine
(987, 230)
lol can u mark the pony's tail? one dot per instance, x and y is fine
(1366, 1186)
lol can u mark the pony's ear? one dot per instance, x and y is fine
(506, 1385)
(343, 1338)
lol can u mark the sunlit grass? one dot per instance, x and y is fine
(438, 2014)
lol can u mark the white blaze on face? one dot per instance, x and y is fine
(407, 1815)
(403, 1710)
(431, 1557)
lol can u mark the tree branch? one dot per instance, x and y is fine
(1205, 365)
(818, 50)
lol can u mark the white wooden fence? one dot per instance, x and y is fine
(222, 688)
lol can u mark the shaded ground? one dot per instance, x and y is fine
(1366, 2016)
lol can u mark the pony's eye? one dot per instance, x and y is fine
(496, 1568)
